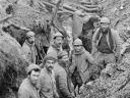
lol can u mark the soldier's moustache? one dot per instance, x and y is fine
(50, 67)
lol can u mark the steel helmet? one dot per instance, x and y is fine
(30, 34)
(105, 20)
(57, 35)
(50, 56)
(78, 42)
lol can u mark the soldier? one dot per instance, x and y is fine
(80, 64)
(106, 44)
(56, 47)
(47, 84)
(88, 31)
(61, 75)
(29, 51)
(28, 88)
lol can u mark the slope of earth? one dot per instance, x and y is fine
(118, 12)
(12, 66)
(114, 81)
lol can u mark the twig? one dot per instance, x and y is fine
(5, 19)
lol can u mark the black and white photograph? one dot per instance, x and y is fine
(64, 48)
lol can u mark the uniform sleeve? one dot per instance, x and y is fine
(72, 68)
(40, 81)
(22, 93)
(63, 85)
(25, 53)
(72, 63)
(56, 95)
(94, 49)
(90, 58)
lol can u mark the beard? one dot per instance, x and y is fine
(30, 42)
(49, 68)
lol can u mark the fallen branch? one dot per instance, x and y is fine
(66, 7)
(65, 11)
(86, 5)
(91, 6)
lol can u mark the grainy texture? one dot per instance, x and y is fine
(23, 15)
(12, 66)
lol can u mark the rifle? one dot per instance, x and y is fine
(40, 56)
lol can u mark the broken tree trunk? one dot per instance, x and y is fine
(56, 22)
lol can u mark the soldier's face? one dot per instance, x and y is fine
(105, 26)
(96, 24)
(34, 77)
(50, 65)
(77, 47)
(59, 41)
(31, 39)
(65, 58)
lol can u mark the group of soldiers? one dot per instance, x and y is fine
(61, 72)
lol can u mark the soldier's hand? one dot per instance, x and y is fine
(56, 95)
(82, 88)
(72, 94)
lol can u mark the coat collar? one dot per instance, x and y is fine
(29, 43)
